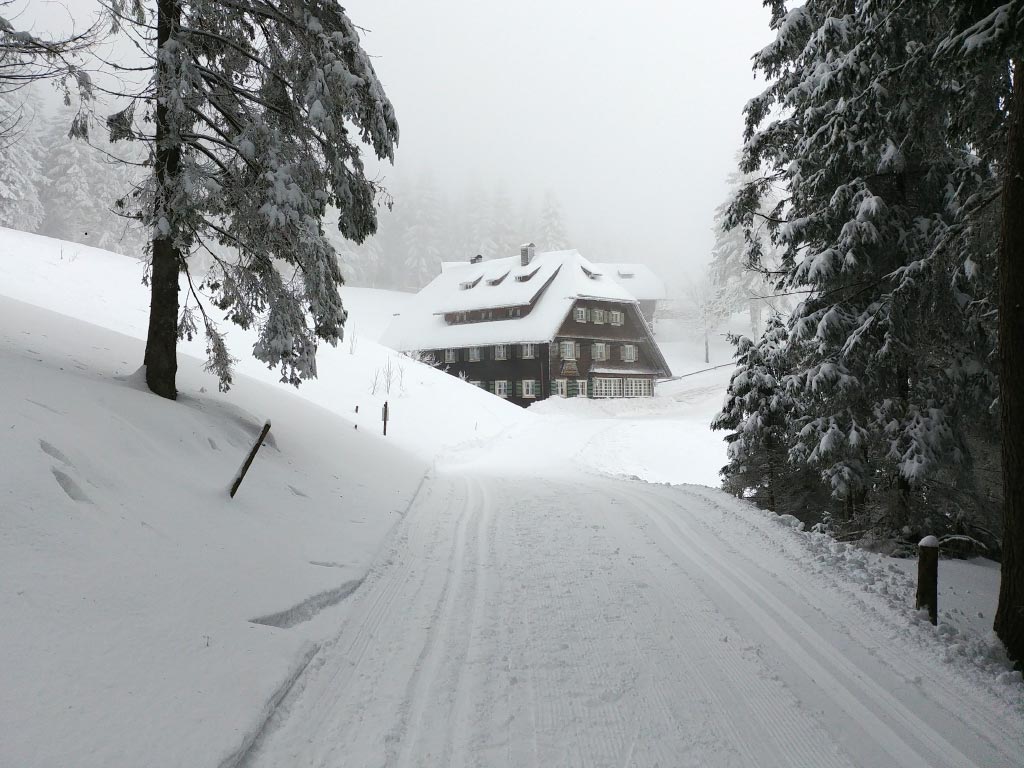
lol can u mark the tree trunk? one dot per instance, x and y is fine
(707, 355)
(1009, 623)
(161, 342)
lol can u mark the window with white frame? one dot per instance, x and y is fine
(629, 353)
(531, 388)
(607, 387)
(599, 316)
(477, 384)
(451, 355)
(581, 387)
(562, 387)
(529, 351)
(639, 388)
(580, 314)
(615, 317)
(474, 354)
(567, 350)
(501, 388)
(599, 351)
(501, 352)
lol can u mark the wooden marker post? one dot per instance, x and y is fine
(252, 455)
(384, 417)
(928, 577)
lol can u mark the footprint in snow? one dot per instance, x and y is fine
(69, 486)
(51, 450)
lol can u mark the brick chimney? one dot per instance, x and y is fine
(526, 253)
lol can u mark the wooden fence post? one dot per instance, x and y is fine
(384, 416)
(252, 455)
(928, 577)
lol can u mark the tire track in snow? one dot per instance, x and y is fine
(310, 706)
(406, 741)
(912, 670)
(918, 746)
(748, 713)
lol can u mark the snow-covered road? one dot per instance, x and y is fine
(553, 621)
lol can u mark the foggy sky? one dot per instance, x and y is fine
(630, 112)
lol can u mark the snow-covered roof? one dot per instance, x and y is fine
(497, 284)
(639, 279)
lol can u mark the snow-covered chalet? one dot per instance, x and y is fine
(641, 282)
(533, 326)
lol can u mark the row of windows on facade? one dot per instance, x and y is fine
(580, 315)
(485, 314)
(567, 350)
(598, 316)
(601, 387)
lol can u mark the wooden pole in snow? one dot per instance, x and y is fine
(252, 455)
(928, 577)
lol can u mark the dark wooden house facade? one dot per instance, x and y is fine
(558, 328)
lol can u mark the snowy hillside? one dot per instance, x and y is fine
(105, 288)
(486, 585)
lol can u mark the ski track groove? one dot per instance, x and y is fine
(850, 690)
(596, 622)
(906, 668)
(429, 665)
(753, 701)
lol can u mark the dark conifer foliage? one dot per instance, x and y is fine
(255, 118)
(886, 124)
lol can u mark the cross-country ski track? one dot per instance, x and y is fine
(552, 621)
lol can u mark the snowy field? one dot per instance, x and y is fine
(484, 586)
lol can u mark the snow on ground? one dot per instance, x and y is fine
(484, 586)
(538, 618)
(428, 413)
(132, 584)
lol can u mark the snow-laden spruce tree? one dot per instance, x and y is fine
(79, 188)
(20, 179)
(853, 123)
(983, 49)
(423, 235)
(27, 58)
(255, 116)
(552, 235)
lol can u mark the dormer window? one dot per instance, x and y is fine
(626, 275)
(466, 285)
(497, 280)
(527, 276)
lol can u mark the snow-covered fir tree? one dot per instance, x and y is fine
(852, 124)
(255, 118)
(982, 51)
(503, 232)
(424, 234)
(740, 270)
(78, 188)
(552, 235)
(20, 206)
